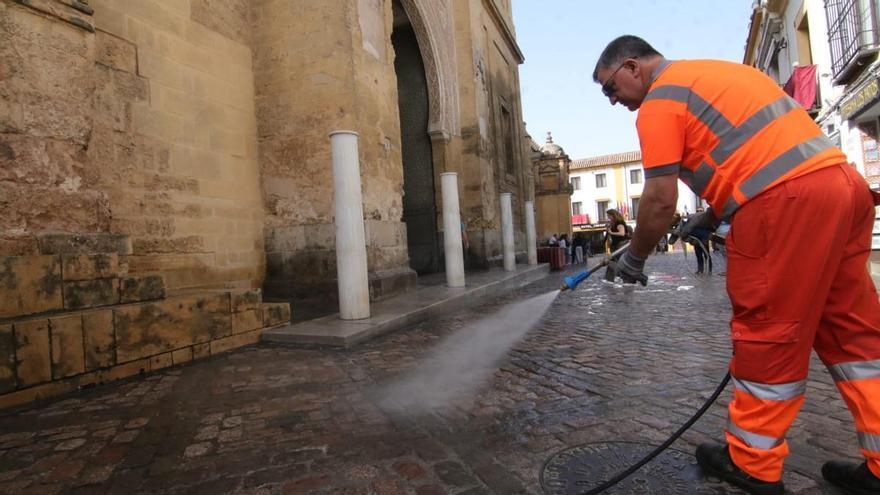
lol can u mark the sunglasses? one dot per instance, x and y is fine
(608, 87)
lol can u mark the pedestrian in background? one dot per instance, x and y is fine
(796, 278)
(566, 249)
(616, 229)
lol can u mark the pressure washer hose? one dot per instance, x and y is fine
(654, 453)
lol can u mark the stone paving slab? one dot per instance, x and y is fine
(431, 299)
(605, 363)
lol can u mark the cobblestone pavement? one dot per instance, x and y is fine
(606, 363)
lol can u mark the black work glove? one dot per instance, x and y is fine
(686, 227)
(629, 268)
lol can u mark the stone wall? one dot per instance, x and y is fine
(73, 316)
(335, 71)
(488, 79)
(138, 121)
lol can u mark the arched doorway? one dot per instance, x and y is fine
(419, 205)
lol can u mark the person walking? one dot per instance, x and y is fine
(797, 279)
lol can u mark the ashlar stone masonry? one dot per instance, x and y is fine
(161, 158)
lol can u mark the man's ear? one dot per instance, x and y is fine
(634, 67)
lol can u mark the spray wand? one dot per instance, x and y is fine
(571, 282)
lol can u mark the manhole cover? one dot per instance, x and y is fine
(579, 469)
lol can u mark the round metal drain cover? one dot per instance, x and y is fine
(580, 469)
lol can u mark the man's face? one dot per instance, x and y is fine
(620, 84)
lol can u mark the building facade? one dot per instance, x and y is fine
(824, 53)
(550, 169)
(613, 181)
(185, 143)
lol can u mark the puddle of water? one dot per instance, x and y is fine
(463, 361)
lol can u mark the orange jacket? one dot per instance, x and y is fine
(729, 132)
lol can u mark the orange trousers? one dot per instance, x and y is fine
(798, 280)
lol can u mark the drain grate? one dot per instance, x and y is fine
(578, 469)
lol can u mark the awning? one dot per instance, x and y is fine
(581, 219)
(802, 86)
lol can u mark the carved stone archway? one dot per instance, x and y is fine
(432, 21)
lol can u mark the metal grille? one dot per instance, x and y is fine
(852, 32)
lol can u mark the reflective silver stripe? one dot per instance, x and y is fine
(702, 176)
(783, 164)
(669, 92)
(662, 170)
(729, 207)
(869, 442)
(753, 439)
(856, 370)
(766, 391)
(696, 105)
(728, 144)
(709, 115)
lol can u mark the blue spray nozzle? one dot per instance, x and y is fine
(572, 281)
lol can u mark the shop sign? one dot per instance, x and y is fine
(860, 99)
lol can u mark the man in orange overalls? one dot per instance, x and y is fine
(797, 248)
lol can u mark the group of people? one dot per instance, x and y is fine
(577, 250)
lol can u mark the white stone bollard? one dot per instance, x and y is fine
(452, 247)
(531, 238)
(507, 247)
(351, 246)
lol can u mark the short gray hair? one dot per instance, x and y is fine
(622, 48)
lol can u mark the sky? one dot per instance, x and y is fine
(562, 39)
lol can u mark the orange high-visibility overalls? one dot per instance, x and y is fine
(800, 236)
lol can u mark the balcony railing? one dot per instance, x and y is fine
(852, 35)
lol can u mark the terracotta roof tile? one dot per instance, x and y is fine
(605, 160)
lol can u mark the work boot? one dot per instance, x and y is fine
(715, 459)
(855, 478)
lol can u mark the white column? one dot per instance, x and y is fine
(507, 233)
(452, 247)
(351, 246)
(531, 238)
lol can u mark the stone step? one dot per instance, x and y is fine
(431, 299)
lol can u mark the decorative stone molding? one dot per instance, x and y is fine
(432, 21)
(71, 11)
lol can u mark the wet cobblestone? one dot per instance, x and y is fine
(606, 363)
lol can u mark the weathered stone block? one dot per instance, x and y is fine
(182, 355)
(123, 370)
(115, 52)
(246, 299)
(76, 267)
(276, 313)
(91, 293)
(201, 350)
(152, 328)
(85, 244)
(160, 361)
(98, 339)
(29, 284)
(67, 346)
(7, 359)
(247, 320)
(138, 288)
(235, 341)
(32, 352)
